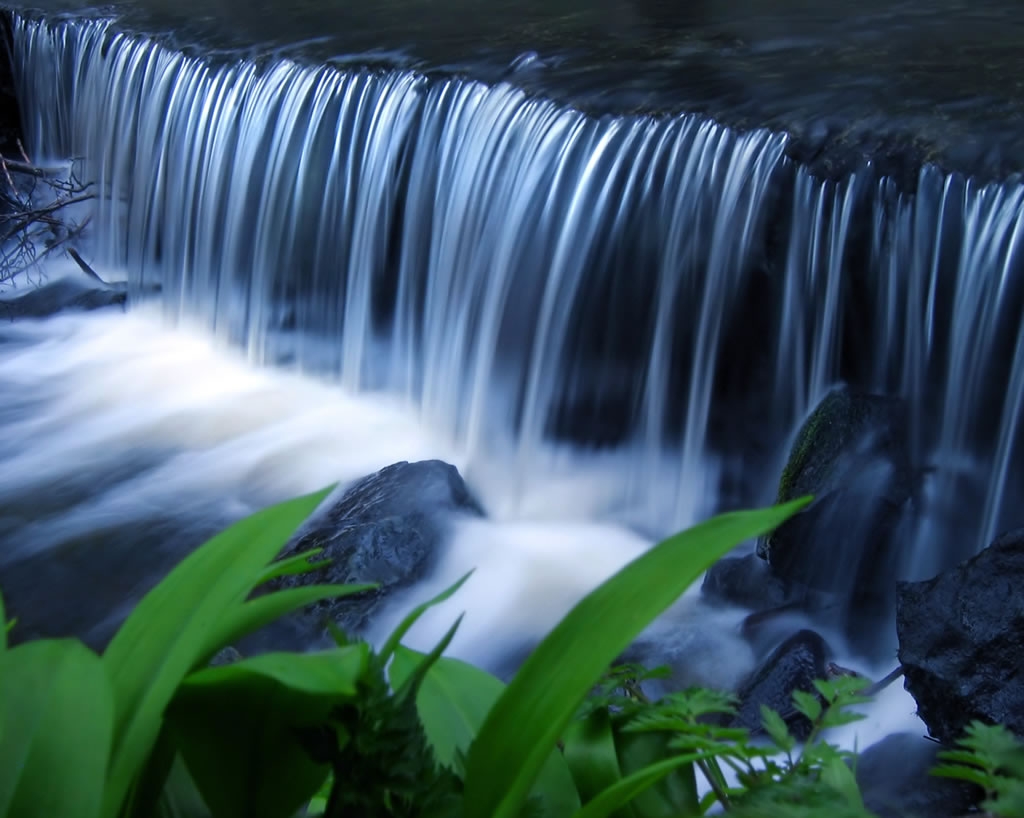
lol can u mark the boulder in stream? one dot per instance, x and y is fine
(793, 665)
(852, 454)
(895, 780)
(961, 641)
(388, 528)
(60, 295)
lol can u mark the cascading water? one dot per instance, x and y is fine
(519, 270)
(663, 296)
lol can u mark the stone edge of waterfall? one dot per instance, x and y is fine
(830, 147)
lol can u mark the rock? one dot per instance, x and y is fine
(793, 665)
(388, 528)
(62, 294)
(895, 780)
(961, 641)
(852, 454)
(745, 581)
(226, 656)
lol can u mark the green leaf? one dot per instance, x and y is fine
(169, 631)
(238, 727)
(975, 776)
(453, 699)
(627, 789)
(777, 729)
(292, 566)
(452, 702)
(961, 757)
(56, 727)
(415, 679)
(591, 756)
(808, 704)
(527, 720)
(671, 794)
(403, 627)
(838, 776)
(261, 611)
(330, 674)
(837, 717)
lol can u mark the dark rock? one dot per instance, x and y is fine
(746, 581)
(852, 454)
(388, 528)
(793, 665)
(60, 295)
(11, 132)
(895, 780)
(961, 641)
(226, 656)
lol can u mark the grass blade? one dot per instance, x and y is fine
(526, 722)
(410, 620)
(261, 611)
(57, 718)
(168, 633)
(622, 792)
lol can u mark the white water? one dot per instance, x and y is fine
(202, 434)
(94, 389)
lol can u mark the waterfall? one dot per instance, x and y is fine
(522, 271)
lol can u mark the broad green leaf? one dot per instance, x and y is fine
(238, 727)
(627, 789)
(168, 633)
(671, 794)
(590, 753)
(331, 674)
(413, 616)
(56, 726)
(453, 700)
(531, 714)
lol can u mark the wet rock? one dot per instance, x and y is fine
(226, 656)
(895, 780)
(746, 581)
(793, 665)
(60, 295)
(961, 641)
(388, 528)
(853, 455)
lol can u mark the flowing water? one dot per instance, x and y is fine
(611, 323)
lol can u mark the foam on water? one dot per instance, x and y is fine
(121, 418)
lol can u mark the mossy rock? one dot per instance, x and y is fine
(852, 454)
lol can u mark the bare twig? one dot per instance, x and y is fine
(77, 258)
(33, 214)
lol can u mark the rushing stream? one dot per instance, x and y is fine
(611, 323)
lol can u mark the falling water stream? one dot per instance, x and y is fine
(611, 323)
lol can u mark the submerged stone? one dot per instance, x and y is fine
(961, 641)
(388, 528)
(852, 454)
(894, 776)
(60, 295)
(745, 581)
(793, 665)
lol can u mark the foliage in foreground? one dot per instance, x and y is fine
(151, 728)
